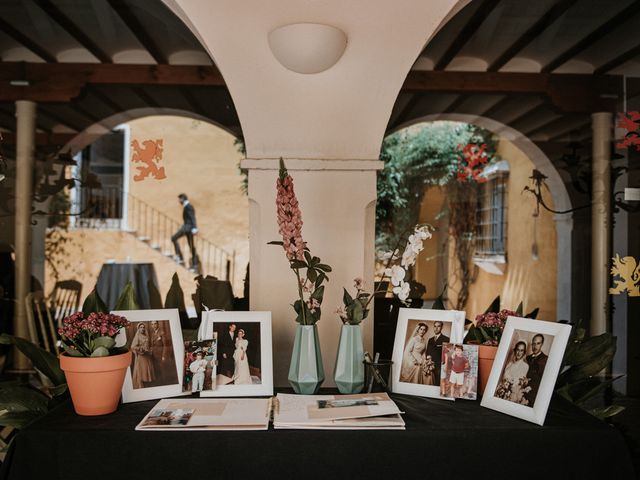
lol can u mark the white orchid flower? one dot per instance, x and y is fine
(396, 274)
(424, 233)
(402, 291)
(408, 258)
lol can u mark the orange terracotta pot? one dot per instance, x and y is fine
(486, 355)
(95, 384)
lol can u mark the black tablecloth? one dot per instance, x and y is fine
(443, 440)
(113, 278)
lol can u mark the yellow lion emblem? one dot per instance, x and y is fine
(629, 272)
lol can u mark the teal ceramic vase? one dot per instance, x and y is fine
(306, 373)
(349, 371)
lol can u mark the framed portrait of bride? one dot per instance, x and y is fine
(526, 367)
(245, 363)
(417, 349)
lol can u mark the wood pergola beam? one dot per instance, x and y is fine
(26, 42)
(570, 93)
(42, 139)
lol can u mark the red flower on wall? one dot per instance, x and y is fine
(471, 165)
(629, 121)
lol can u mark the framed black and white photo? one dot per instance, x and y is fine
(526, 367)
(154, 338)
(245, 364)
(417, 349)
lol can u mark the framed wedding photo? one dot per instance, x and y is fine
(245, 363)
(526, 367)
(154, 338)
(417, 349)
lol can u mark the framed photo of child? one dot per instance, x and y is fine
(199, 366)
(459, 373)
(417, 349)
(526, 367)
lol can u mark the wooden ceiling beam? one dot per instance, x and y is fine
(567, 131)
(453, 106)
(193, 102)
(531, 34)
(145, 97)
(617, 61)
(600, 32)
(72, 29)
(26, 42)
(404, 113)
(467, 31)
(138, 30)
(60, 120)
(42, 139)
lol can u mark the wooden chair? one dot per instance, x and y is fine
(42, 327)
(64, 300)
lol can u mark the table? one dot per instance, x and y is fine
(443, 440)
(113, 278)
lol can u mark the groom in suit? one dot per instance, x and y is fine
(537, 362)
(226, 347)
(189, 228)
(434, 348)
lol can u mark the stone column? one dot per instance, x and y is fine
(601, 123)
(25, 145)
(337, 199)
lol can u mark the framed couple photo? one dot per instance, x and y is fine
(418, 346)
(244, 355)
(526, 367)
(154, 338)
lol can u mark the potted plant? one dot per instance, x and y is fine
(486, 332)
(93, 366)
(349, 369)
(306, 372)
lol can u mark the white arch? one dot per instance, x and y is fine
(561, 200)
(95, 131)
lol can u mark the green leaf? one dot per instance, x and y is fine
(593, 388)
(100, 352)
(314, 261)
(175, 295)
(312, 274)
(59, 390)
(355, 312)
(308, 257)
(520, 309)
(495, 306)
(606, 412)
(44, 361)
(93, 303)
(276, 242)
(589, 349)
(155, 300)
(318, 294)
(321, 278)
(533, 313)
(21, 398)
(19, 419)
(127, 300)
(106, 342)
(323, 267)
(72, 352)
(298, 264)
(438, 303)
(346, 298)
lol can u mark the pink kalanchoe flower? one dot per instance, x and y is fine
(289, 216)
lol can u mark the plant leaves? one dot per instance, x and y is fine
(18, 419)
(298, 264)
(323, 267)
(308, 257)
(72, 352)
(346, 298)
(589, 349)
(495, 306)
(438, 303)
(44, 361)
(276, 242)
(533, 313)
(127, 299)
(312, 274)
(100, 352)
(155, 300)
(106, 342)
(93, 303)
(606, 412)
(520, 309)
(318, 294)
(22, 398)
(175, 295)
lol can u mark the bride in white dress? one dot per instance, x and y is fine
(516, 372)
(241, 375)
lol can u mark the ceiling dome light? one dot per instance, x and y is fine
(307, 47)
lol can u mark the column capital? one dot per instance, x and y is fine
(311, 164)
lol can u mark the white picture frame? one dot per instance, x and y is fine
(453, 328)
(517, 330)
(169, 366)
(220, 321)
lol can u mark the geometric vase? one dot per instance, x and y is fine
(306, 373)
(349, 371)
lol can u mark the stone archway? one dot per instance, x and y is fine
(563, 223)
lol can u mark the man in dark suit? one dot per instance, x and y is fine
(188, 229)
(537, 362)
(434, 348)
(226, 347)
